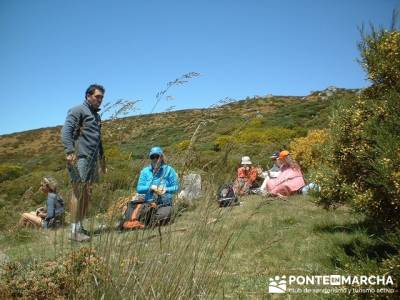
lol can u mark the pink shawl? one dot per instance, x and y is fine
(288, 182)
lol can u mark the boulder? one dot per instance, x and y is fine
(191, 187)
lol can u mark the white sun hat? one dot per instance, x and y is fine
(246, 160)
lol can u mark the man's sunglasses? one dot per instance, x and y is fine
(154, 156)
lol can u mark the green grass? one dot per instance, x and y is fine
(244, 246)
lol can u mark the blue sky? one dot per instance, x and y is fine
(51, 50)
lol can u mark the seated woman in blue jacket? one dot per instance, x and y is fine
(157, 184)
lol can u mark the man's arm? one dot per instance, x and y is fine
(69, 129)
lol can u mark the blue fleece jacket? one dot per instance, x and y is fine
(81, 132)
(166, 177)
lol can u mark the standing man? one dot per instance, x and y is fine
(81, 137)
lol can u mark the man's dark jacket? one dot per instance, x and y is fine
(81, 132)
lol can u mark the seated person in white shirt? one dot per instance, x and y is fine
(273, 172)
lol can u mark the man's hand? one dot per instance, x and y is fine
(71, 159)
(103, 166)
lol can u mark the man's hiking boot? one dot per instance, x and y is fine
(79, 237)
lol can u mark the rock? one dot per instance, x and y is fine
(332, 88)
(191, 187)
(259, 115)
(329, 93)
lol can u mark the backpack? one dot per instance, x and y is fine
(132, 216)
(227, 196)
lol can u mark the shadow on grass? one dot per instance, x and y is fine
(368, 241)
(377, 250)
(361, 252)
(367, 226)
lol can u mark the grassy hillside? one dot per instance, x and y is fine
(207, 252)
(254, 127)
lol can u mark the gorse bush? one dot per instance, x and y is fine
(380, 57)
(183, 145)
(224, 142)
(307, 151)
(75, 276)
(255, 137)
(363, 161)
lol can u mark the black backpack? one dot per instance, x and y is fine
(227, 196)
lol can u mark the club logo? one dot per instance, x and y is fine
(277, 285)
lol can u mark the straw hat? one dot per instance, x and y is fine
(246, 160)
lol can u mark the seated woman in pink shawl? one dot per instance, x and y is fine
(289, 181)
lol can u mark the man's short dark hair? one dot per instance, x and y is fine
(90, 90)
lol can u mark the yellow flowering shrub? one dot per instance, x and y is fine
(334, 190)
(251, 137)
(183, 145)
(265, 136)
(381, 57)
(224, 141)
(362, 165)
(307, 151)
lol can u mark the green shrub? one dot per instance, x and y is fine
(77, 276)
(380, 57)
(251, 136)
(9, 172)
(363, 153)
